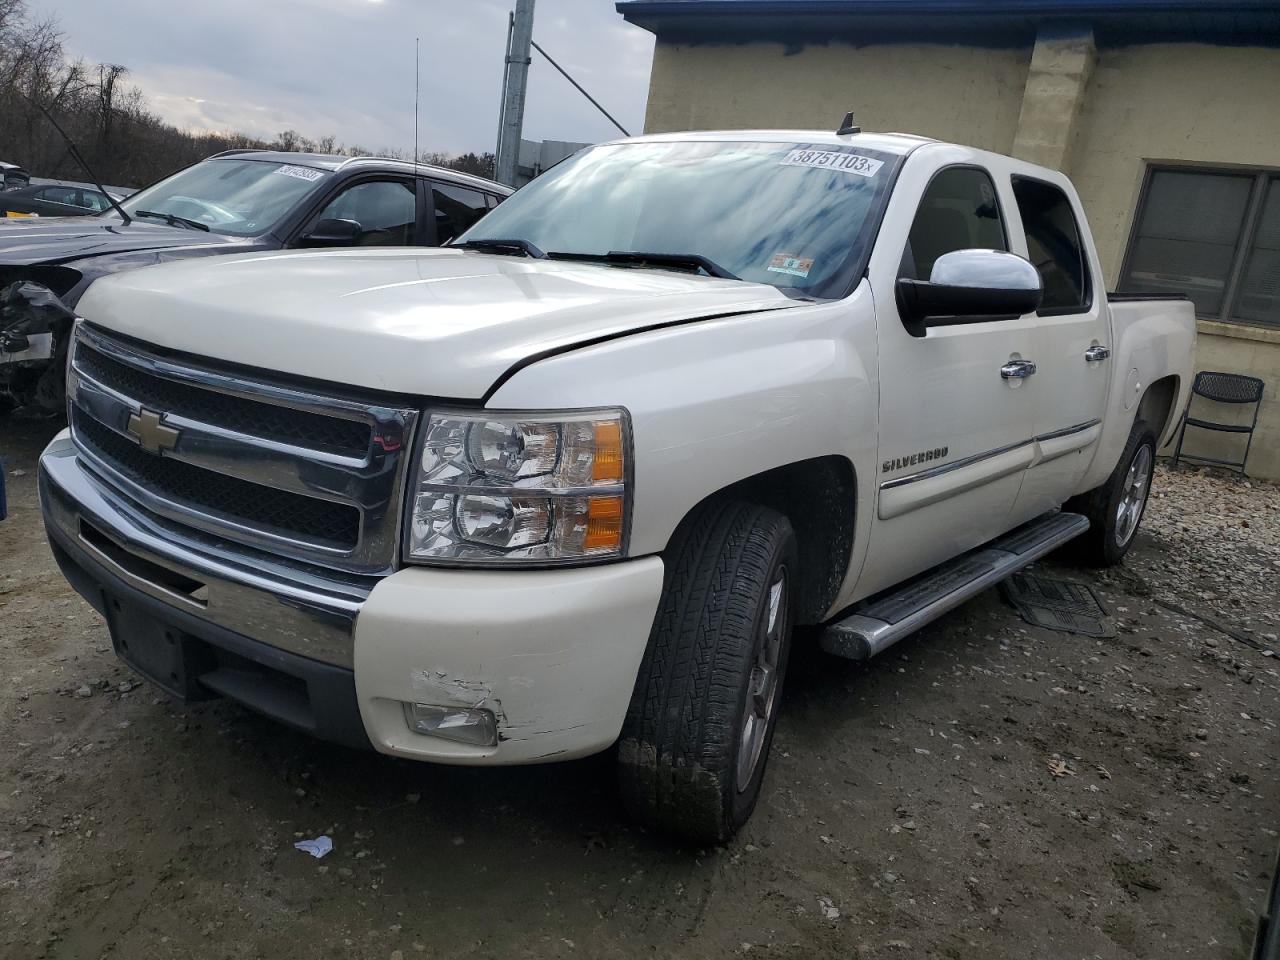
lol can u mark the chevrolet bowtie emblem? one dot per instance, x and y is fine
(146, 427)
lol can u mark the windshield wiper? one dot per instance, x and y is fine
(515, 245)
(173, 219)
(687, 261)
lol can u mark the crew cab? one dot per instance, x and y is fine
(572, 481)
(234, 202)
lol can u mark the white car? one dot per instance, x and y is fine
(572, 482)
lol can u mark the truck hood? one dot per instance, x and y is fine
(444, 323)
(53, 240)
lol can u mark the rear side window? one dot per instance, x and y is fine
(1053, 244)
(65, 195)
(958, 211)
(457, 208)
(94, 201)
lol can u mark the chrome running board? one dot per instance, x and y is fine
(882, 621)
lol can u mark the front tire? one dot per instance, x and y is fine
(1116, 508)
(696, 737)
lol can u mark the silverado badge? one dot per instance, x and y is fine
(924, 456)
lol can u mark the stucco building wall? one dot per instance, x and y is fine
(1120, 109)
(956, 93)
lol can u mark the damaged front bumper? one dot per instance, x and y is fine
(36, 346)
(34, 328)
(552, 654)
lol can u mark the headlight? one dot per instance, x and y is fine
(496, 488)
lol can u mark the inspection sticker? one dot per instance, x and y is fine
(833, 160)
(786, 263)
(301, 173)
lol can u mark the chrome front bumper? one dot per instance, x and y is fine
(298, 609)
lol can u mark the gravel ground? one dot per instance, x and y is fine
(987, 789)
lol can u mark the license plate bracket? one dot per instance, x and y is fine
(162, 653)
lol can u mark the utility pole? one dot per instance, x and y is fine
(515, 83)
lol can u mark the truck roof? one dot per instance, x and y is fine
(901, 143)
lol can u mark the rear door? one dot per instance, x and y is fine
(1073, 365)
(954, 433)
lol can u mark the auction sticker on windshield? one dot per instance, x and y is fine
(301, 173)
(786, 263)
(833, 160)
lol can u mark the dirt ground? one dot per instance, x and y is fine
(911, 807)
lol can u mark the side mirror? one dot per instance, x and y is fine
(967, 286)
(332, 233)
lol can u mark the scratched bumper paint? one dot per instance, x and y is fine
(553, 653)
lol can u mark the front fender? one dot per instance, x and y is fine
(717, 401)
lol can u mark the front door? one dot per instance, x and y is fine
(1072, 355)
(954, 432)
(386, 208)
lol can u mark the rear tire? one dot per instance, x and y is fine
(1116, 508)
(696, 737)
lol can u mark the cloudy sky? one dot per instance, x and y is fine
(345, 67)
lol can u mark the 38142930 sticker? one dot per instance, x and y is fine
(300, 173)
(789, 264)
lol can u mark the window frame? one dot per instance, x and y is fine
(995, 189)
(1085, 261)
(50, 187)
(1004, 227)
(318, 202)
(1264, 179)
(431, 224)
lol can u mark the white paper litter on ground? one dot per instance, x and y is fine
(317, 847)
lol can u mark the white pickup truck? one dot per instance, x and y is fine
(571, 483)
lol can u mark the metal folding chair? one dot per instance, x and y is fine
(1221, 388)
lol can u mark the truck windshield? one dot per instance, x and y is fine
(797, 216)
(239, 197)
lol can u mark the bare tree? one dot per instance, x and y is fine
(109, 119)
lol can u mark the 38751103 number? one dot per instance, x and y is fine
(833, 160)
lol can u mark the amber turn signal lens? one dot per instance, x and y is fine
(604, 524)
(607, 462)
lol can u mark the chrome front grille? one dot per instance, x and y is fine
(313, 477)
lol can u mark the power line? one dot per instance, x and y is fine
(594, 102)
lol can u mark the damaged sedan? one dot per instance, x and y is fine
(239, 201)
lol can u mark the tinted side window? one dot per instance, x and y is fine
(65, 195)
(94, 201)
(457, 208)
(386, 210)
(958, 211)
(1053, 243)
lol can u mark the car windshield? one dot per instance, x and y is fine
(234, 196)
(797, 216)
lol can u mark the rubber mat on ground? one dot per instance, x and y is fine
(1057, 605)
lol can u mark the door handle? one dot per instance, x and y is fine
(1096, 353)
(1017, 370)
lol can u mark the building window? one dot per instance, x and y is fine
(1213, 236)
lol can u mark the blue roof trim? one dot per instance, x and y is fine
(1234, 20)
(630, 8)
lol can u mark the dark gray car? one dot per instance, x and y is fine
(54, 200)
(235, 202)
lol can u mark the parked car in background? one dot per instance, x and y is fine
(573, 481)
(238, 201)
(54, 200)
